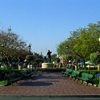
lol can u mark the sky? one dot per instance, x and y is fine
(47, 23)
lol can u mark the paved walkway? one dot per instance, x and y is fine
(49, 84)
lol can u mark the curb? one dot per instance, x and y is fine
(50, 96)
(91, 84)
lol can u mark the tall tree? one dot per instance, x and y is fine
(82, 42)
(10, 44)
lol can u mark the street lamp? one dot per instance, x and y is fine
(73, 62)
(29, 48)
(66, 46)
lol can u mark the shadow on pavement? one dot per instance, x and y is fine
(36, 84)
(47, 76)
(41, 83)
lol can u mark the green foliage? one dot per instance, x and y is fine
(87, 58)
(53, 57)
(3, 82)
(30, 58)
(37, 61)
(95, 81)
(95, 58)
(11, 46)
(90, 71)
(68, 57)
(82, 42)
(57, 59)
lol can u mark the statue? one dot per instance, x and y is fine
(47, 60)
(49, 55)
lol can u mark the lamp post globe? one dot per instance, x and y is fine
(99, 39)
(66, 46)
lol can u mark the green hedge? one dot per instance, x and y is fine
(90, 71)
(51, 69)
(4, 72)
(3, 82)
(93, 72)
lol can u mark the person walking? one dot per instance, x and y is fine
(54, 63)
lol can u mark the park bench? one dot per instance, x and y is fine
(27, 73)
(13, 77)
(30, 72)
(74, 74)
(86, 77)
(67, 72)
(23, 73)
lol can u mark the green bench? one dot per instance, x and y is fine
(13, 77)
(86, 77)
(23, 74)
(74, 74)
(30, 72)
(67, 72)
(27, 73)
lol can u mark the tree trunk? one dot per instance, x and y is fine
(8, 64)
(84, 62)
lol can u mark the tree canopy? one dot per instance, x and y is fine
(82, 42)
(11, 46)
(95, 58)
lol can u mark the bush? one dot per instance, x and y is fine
(3, 82)
(4, 72)
(90, 71)
(95, 57)
(51, 69)
(93, 72)
(96, 81)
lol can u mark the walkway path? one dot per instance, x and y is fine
(49, 84)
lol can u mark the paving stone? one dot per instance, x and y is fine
(49, 84)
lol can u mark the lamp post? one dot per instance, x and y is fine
(19, 66)
(29, 48)
(29, 52)
(70, 59)
(66, 46)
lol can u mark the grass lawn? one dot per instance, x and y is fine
(3, 82)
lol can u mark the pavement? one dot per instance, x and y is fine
(47, 86)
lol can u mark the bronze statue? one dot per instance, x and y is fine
(49, 55)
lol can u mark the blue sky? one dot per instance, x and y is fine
(47, 23)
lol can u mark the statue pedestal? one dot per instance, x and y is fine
(47, 65)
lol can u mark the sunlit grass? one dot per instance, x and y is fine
(3, 82)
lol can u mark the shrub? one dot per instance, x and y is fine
(96, 81)
(95, 57)
(90, 71)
